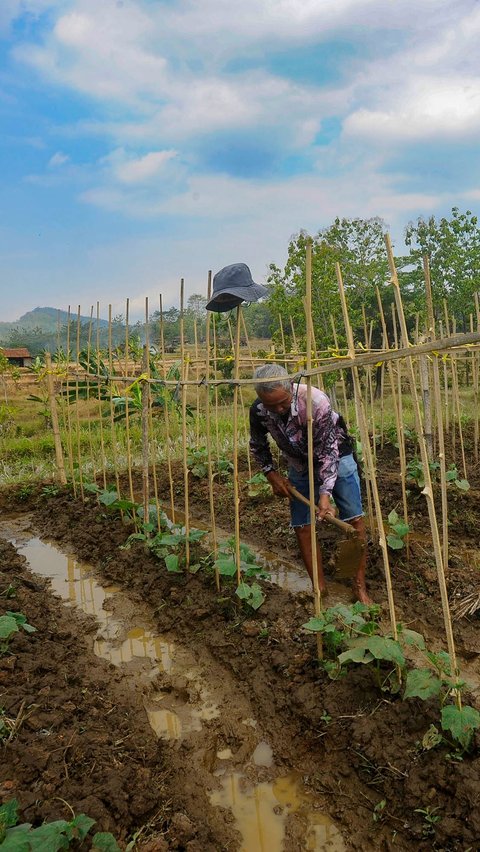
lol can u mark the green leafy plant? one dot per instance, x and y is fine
(49, 491)
(197, 463)
(430, 819)
(452, 477)
(51, 836)
(252, 594)
(259, 486)
(10, 623)
(398, 529)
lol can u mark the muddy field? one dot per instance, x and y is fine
(225, 714)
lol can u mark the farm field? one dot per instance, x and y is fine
(235, 689)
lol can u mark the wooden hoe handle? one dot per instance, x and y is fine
(330, 519)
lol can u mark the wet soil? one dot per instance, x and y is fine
(354, 746)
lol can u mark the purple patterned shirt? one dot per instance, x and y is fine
(330, 439)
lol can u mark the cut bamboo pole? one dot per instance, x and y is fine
(77, 411)
(100, 412)
(294, 336)
(197, 389)
(427, 491)
(90, 439)
(208, 439)
(69, 417)
(184, 426)
(437, 397)
(166, 413)
(145, 441)
(282, 336)
(236, 484)
(342, 376)
(215, 392)
(317, 599)
(127, 408)
(369, 385)
(457, 407)
(112, 409)
(61, 476)
(367, 452)
(445, 385)
(398, 421)
(475, 397)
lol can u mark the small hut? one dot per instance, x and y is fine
(18, 357)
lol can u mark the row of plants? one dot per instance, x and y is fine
(352, 636)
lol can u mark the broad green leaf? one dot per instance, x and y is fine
(226, 567)
(50, 837)
(461, 723)
(9, 813)
(17, 839)
(422, 683)
(451, 475)
(462, 484)
(107, 498)
(242, 591)
(411, 637)
(196, 535)
(82, 824)
(382, 648)
(401, 529)
(103, 841)
(393, 518)
(171, 561)
(316, 625)
(8, 626)
(355, 655)
(29, 628)
(395, 542)
(19, 617)
(169, 540)
(256, 597)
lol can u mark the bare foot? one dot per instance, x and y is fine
(360, 593)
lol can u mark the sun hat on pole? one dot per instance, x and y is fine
(232, 285)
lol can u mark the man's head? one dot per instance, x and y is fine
(276, 394)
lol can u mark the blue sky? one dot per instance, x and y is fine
(144, 141)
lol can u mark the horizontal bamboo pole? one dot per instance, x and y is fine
(342, 363)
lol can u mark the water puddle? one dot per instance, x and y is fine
(261, 813)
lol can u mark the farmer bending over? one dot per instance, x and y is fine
(281, 411)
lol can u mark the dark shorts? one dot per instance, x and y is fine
(346, 493)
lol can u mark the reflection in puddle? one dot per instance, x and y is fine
(139, 643)
(263, 755)
(74, 582)
(261, 813)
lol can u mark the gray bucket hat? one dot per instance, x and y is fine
(232, 285)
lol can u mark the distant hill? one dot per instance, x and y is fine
(45, 319)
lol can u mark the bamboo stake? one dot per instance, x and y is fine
(457, 408)
(167, 417)
(90, 441)
(398, 419)
(282, 335)
(294, 336)
(112, 410)
(367, 453)
(311, 473)
(369, 386)
(127, 406)
(69, 417)
(427, 491)
(437, 396)
(215, 367)
(145, 442)
(184, 426)
(207, 435)
(475, 396)
(236, 486)
(100, 413)
(77, 412)
(197, 389)
(55, 427)
(342, 376)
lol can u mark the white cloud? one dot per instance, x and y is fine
(58, 159)
(132, 170)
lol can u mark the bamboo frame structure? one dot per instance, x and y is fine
(367, 453)
(427, 491)
(184, 425)
(55, 425)
(211, 498)
(166, 413)
(77, 413)
(236, 485)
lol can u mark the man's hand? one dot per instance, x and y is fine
(279, 484)
(324, 507)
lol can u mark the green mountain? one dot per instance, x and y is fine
(44, 319)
